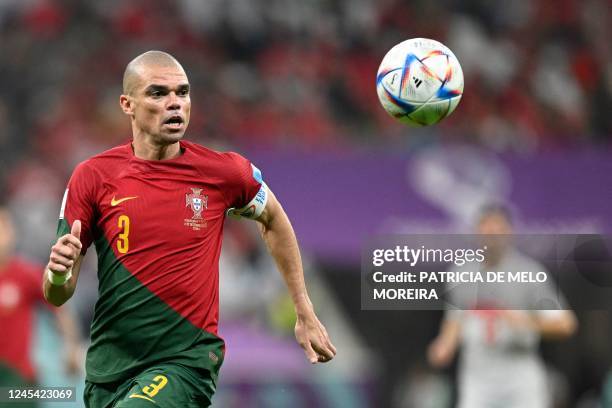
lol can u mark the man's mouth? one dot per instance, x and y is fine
(174, 122)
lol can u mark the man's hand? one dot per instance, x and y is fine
(62, 271)
(66, 251)
(552, 324)
(440, 353)
(313, 338)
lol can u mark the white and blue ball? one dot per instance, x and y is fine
(419, 82)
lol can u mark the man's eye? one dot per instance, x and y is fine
(184, 92)
(156, 93)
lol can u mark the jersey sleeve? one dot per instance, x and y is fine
(245, 191)
(79, 204)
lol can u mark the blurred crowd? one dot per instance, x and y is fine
(292, 73)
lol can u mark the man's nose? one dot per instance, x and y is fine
(174, 102)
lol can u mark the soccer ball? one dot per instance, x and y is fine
(419, 82)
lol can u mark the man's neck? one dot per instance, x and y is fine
(149, 151)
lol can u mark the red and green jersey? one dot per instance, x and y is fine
(19, 295)
(157, 228)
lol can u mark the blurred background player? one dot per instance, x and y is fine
(20, 296)
(499, 364)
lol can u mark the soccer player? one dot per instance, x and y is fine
(499, 366)
(19, 297)
(155, 209)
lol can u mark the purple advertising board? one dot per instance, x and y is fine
(337, 200)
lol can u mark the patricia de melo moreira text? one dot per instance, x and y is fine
(458, 257)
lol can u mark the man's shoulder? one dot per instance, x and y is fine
(117, 153)
(204, 151)
(105, 161)
(210, 157)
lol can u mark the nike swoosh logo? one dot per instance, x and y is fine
(119, 201)
(142, 397)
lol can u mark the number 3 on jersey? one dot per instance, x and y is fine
(123, 242)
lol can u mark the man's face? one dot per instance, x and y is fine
(494, 224)
(160, 104)
(495, 230)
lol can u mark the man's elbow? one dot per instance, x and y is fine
(569, 326)
(566, 327)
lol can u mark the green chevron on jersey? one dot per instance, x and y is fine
(133, 329)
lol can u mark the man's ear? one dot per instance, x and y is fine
(126, 104)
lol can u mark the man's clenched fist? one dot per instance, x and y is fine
(66, 251)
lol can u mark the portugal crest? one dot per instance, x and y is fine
(197, 202)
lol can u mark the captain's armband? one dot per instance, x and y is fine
(254, 208)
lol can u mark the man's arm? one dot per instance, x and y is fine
(65, 259)
(562, 326)
(280, 239)
(444, 347)
(551, 324)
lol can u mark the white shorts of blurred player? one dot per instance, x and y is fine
(520, 383)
